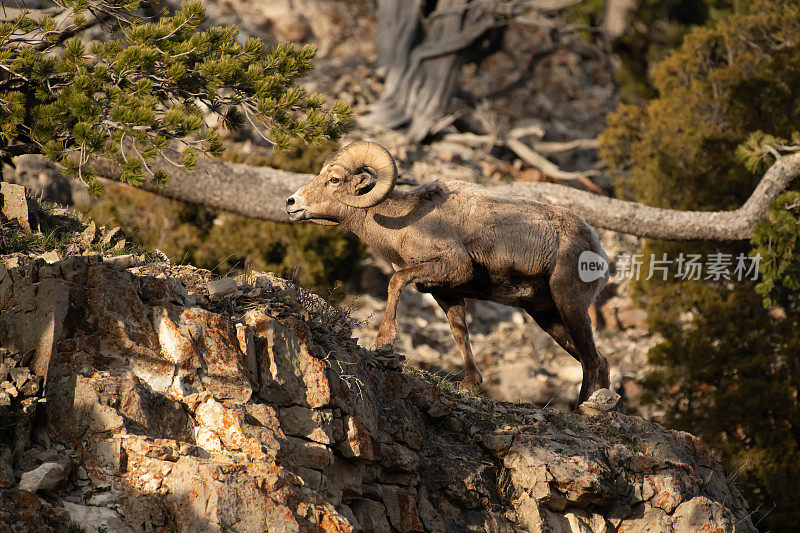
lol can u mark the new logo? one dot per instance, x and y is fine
(591, 266)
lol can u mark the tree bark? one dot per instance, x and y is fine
(423, 45)
(261, 192)
(669, 224)
(399, 25)
(423, 53)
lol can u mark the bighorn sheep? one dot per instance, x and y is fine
(457, 240)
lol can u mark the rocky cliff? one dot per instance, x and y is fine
(143, 396)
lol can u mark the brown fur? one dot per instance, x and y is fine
(457, 240)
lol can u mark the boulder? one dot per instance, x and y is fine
(45, 477)
(703, 514)
(311, 424)
(221, 287)
(111, 238)
(88, 236)
(602, 401)
(92, 518)
(14, 205)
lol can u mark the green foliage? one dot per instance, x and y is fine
(322, 258)
(156, 81)
(727, 104)
(297, 157)
(777, 241)
(733, 377)
(752, 153)
(655, 28)
(681, 146)
(52, 231)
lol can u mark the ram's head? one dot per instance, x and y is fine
(360, 175)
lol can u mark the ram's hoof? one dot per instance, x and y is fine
(385, 339)
(386, 349)
(469, 384)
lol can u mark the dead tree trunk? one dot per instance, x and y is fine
(422, 44)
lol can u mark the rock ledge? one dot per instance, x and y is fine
(152, 405)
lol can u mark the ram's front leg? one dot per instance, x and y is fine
(388, 328)
(439, 272)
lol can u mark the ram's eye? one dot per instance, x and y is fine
(334, 179)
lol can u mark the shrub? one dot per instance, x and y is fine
(728, 365)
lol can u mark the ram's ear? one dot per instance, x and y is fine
(364, 181)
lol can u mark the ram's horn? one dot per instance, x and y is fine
(367, 154)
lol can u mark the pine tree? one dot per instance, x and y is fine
(152, 85)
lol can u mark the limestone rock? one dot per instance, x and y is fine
(666, 489)
(33, 316)
(112, 238)
(602, 401)
(312, 424)
(20, 375)
(126, 261)
(646, 519)
(258, 412)
(221, 287)
(92, 518)
(402, 509)
(700, 513)
(51, 256)
(215, 365)
(531, 515)
(89, 236)
(46, 477)
(309, 454)
(290, 372)
(15, 204)
(585, 522)
(230, 424)
(9, 389)
(371, 515)
(358, 442)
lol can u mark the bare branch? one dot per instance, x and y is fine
(470, 139)
(557, 147)
(522, 131)
(533, 157)
(542, 163)
(645, 221)
(260, 192)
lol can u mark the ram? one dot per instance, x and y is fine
(457, 240)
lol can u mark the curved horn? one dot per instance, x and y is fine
(367, 154)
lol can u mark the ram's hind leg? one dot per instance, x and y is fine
(551, 323)
(457, 317)
(573, 298)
